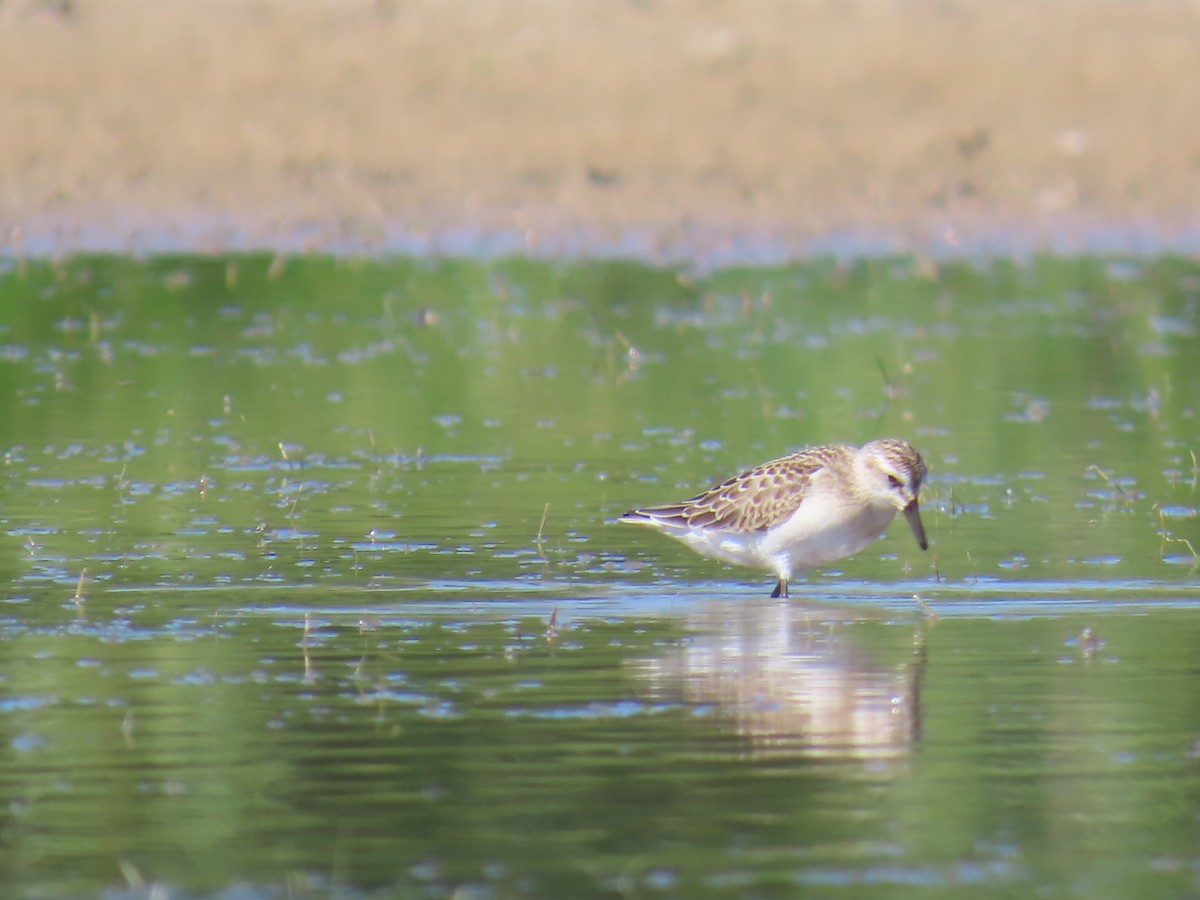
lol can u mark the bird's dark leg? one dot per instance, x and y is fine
(781, 589)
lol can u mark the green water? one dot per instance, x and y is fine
(312, 585)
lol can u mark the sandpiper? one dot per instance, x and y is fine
(802, 510)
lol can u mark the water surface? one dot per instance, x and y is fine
(313, 584)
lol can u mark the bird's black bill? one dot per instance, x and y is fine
(912, 512)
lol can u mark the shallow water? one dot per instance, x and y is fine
(313, 583)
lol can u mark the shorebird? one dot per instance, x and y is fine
(802, 510)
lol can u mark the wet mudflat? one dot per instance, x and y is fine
(312, 584)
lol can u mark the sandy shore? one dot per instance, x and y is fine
(649, 125)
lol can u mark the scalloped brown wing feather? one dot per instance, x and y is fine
(750, 501)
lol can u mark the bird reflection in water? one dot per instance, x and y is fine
(794, 680)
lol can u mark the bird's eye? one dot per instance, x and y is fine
(894, 481)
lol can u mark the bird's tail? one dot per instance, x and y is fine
(654, 515)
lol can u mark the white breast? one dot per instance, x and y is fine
(825, 528)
